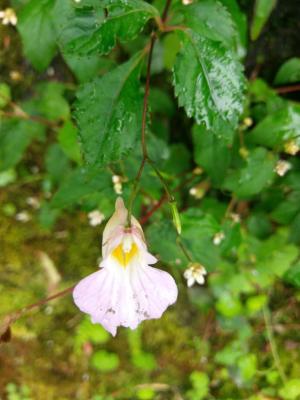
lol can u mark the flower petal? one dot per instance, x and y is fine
(154, 290)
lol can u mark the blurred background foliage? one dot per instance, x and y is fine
(236, 183)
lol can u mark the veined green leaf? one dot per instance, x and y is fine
(240, 21)
(109, 111)
(208, 81)
(123, 21)
(211, 19)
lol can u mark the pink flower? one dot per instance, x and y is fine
(126, 290)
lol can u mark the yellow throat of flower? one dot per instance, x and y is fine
(123, 257)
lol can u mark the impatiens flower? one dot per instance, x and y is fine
(195, 273)
(126, 290)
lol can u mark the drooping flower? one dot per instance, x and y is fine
(126, 290)
(195, 273)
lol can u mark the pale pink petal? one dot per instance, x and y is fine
(116, 297)
(154, 290)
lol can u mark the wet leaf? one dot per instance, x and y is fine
(109, 111)
(208, 81)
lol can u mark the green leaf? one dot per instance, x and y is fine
(171, 46)
(5, 95)
(292, 276)
(289, 72)
(200, 386)
(145, 394)
(109, 112)
(240, 21)
(287, 210)
(167, 249)
(211, 152)
(248, 366)
(37, 32)
(229, 306)
(278, 127)
(256, 303)
(7, 177)
(290, 390)
(256, 175)
(88, 332)
(50, 101)
(15, 136)
(104, 361)
(198, 230)
(57, 163)
(211, 19)
(81, 182)
(67, 138)
(179, 160)
(262, 11)
(208, 81)
(86, 68)
(124, 21)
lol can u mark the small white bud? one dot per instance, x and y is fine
(236, 218)
(23, 216)
(218, 238)
(118, 188)
(282, 167)
(95, 217)
(291, 147)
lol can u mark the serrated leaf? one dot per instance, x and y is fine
(208, 81)
(109, 112)
(211, 19)
(240, 21)
(262, 11)
(278, 127)
(78, 184)
(257, 174)
(74, 20)
(123, 21)
(15, 136)
(37, 32)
